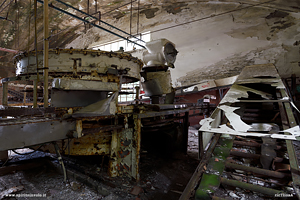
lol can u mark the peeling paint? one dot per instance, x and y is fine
(277, 14)
(150, 13)
(234, 119)
(175, 8)
(238, 126)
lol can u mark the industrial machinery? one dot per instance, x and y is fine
(160, 56)
(84, 116)
(246, 146)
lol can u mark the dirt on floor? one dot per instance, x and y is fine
(161, 177)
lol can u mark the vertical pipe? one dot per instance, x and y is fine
(46, 47)
(96, 7)
(35, 39)
(138, 19)
(36, 58)
(130, 16)
(5, 91)
(35, 93)
(29, 28)
(88, 10)
(18, 22)
(28, 47)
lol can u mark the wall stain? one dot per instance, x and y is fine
(174, 8)
(277, 14)
(119, 15)
(150, 13)
(280, 27)
(297, 43)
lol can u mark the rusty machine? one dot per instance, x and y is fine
(83, 115)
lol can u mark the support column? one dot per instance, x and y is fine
(46, 48)
(136, 147)
(113, 162)
(35, 93)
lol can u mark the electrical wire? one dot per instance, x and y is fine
(6, 6)
(3, 3)
(196, 20)
(23, 154)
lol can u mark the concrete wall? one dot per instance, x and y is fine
(223, 38)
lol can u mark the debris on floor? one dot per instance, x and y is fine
(160, 177)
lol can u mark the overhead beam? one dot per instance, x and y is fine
(95, 25)
(99, 20)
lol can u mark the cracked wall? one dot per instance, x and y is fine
(224, 37)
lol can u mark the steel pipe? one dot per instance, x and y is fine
(99, 20)
(46, 51)
(86, 21)
(9, 50)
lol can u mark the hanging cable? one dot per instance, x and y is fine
(2, 3)
(23, 154)
(84, 20)
(60, 160)
(129, 34)
(6, 5)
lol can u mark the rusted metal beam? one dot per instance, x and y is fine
(250, 144)
(136, 147)
(256, 170)
(210, 180)
(187, 193)
(9, 50)
(154, 114)
(103, 128)
(251, 187)
(114, 147)
(288, 117)
(244, 155)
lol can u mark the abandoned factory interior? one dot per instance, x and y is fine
(149, 99)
